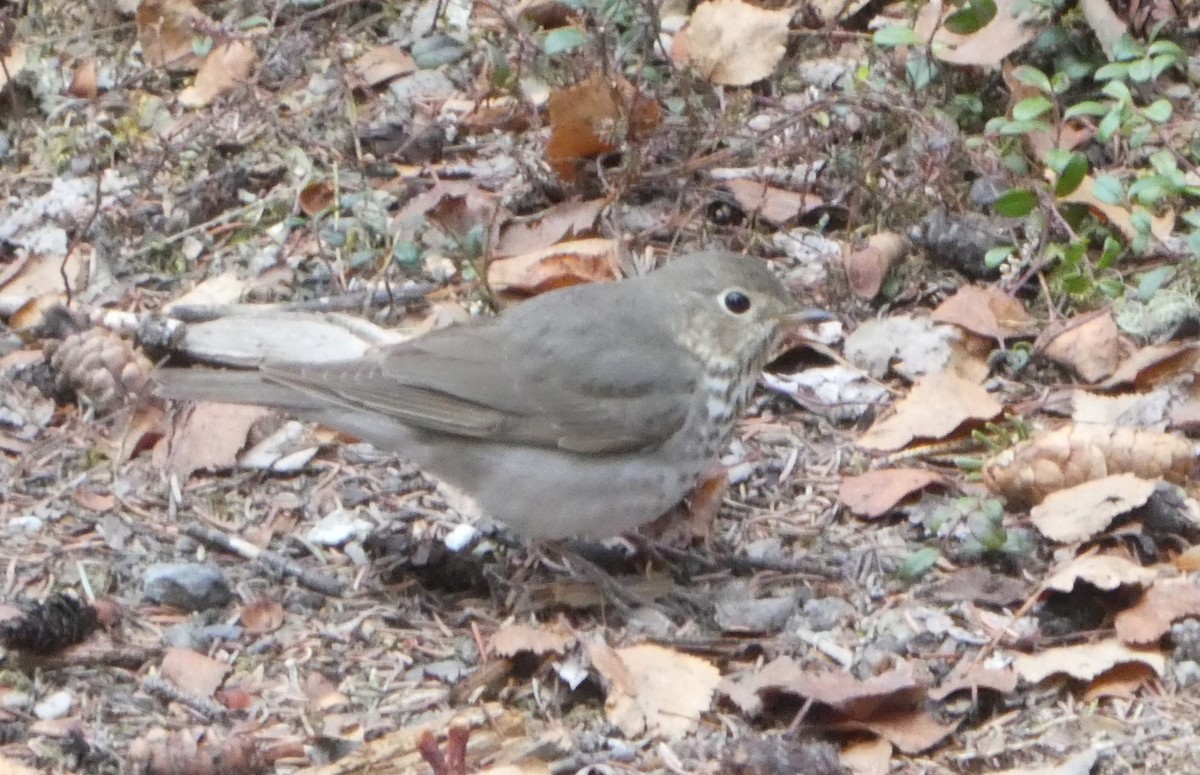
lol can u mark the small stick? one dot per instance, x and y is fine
(314, 580)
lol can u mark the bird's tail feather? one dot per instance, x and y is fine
(231, 387)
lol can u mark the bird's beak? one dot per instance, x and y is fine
(807, 316)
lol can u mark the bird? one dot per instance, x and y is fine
(584, 412)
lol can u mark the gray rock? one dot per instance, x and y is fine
(187, 586)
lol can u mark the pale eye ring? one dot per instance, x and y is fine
(737, 302)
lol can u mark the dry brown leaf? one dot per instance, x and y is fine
(455, 206)
(321, 693)
(1103, 571)
(193, 672)
(1075, 454)
(1092, 347)
(1161, 226)
(262, 615)
(935, 407)
(670, 690)
(969, 676)
(986, 311)
(867, 266)
(1153, 363)
(41, 276)
(1079, 764)
(776, 206)
(594, 118)
(568, 263)
(383, 63)
(875, 493)
(83, 82)
(1080, 512)
(1105, 23)
(912, 730)
(867, 757)
(1168, 601)
(1121, 681)
(315, 198)
(225, 67)
(13, 63)
(10, 766)
(1011, 28)
(733, 43)
(210, 437)
(166, 29)
(513, 639)
(1085, 661)
(568, 220)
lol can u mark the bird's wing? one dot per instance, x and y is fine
(602, 387)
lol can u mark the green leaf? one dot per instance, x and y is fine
(1111, 287)
(251, 22)
(1077, 285)
(1108, 126)
(1024, 127)
(202, 45)
(1071, 175)
(1086, 108)
(1194, 243)
(974, 17)
(918, 563)
(1153, 281)
(1150, 190)
(1158, 111)
(1161, 65)
(1126, 48)
(1141, 71)
(1060, 82)
(1031, 107)
(1110, 71)
(1118, 91)
(997, 256)
(1016, 203)
(1108, 189)
(1110, 254)
(1163, 162)
(1057, 159)
(890, 37)
(1031, 76)
(1167, 48)
(1140, 218)
(563, 40)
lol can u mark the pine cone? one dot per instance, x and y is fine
(100, 367)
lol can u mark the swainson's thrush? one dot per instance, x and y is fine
(585, 411)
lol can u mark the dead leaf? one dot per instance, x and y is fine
(383, 63)
(912, 730)
(262, 616)
(986, 311)
(1085, 661)
(867, 267)
(867, 757)
(1080, 512)
(982, 586)
(316, 197)
(968, 676)
(1134, 410)
(670, 690)
(568, 263)
(594, 118)
(1103, 571)
(733, 43)
(1012, 27)
(935, 407)
(225, 67)
(193, 672)
(1153, 363)
(1105, 23)
(1168, 601)
(83, 82)
(1161, 226)
(210, 437)
(776, 206)
(875, 493)
(568, 220)
(1121, 681)
(516, 638)
(1079, 764)
(322, 694)
(166, 29)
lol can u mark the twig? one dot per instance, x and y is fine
(314, 580)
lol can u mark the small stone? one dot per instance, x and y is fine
(187, 586)
(27, 525)
(54, 706)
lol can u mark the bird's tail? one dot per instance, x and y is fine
(230, 387)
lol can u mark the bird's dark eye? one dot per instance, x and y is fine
(737, 302)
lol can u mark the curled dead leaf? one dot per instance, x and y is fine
(733, 43)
